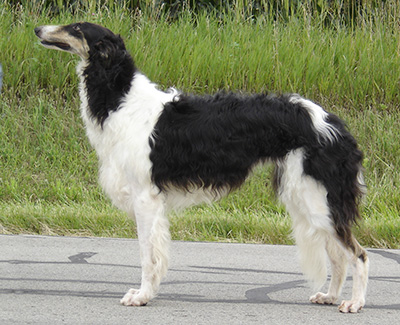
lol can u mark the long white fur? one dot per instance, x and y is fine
(125, 135)
(305, 200)
(127, 180)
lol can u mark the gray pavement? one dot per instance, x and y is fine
(64, 280)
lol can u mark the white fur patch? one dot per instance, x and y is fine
(125, 134)
(318, 117)
(306, 201)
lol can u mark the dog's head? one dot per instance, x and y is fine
(84, 39)
(109, 70)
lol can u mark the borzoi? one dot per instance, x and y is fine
(162, 150)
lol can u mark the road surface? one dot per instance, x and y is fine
(67, 280)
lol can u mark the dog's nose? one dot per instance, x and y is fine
(37, 30)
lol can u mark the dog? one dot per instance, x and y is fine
(162, 150)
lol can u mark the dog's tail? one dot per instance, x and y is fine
(321, 185)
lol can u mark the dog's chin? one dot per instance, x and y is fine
(57, 45)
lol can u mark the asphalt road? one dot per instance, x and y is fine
(64, 280)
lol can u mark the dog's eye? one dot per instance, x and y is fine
(76, 28)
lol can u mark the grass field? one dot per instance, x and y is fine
(48, 172)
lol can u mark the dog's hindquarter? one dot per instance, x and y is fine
(321, 187)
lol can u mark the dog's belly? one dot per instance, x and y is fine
(178, 199)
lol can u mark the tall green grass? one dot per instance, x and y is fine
(48, 172)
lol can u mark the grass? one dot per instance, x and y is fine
(48, 172)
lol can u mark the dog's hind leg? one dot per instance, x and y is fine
(340, 257)
(306, 201)
(359, 262)
(339, 264)
(318, 235)
(154, 239)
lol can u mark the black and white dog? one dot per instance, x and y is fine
(164, 150)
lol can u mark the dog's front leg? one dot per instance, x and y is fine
(154, 239)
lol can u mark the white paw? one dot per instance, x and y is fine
(351, 306)
(323, 298)
(135, 298)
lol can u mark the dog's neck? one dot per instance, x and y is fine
(104, 84)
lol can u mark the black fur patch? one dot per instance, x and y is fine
(337, 165)
(363, 257)
(109, 73)
(215, 141)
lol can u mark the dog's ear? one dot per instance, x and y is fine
(108, 50)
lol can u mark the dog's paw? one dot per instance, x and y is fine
(323, 298)
(351, 306)
(135, 298)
